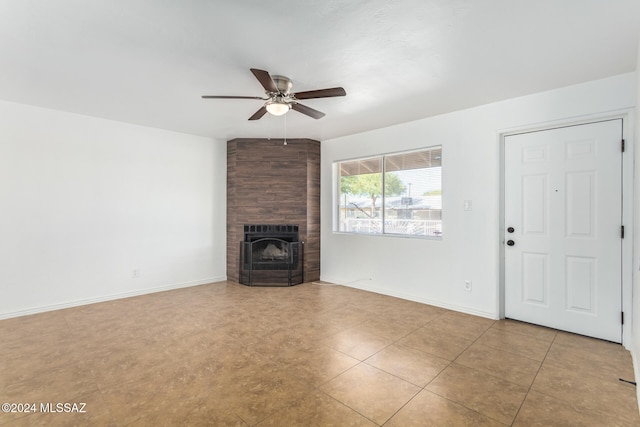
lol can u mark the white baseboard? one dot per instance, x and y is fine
(362, 285)
(87, 301)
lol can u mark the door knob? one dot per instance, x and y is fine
(511, 229)
(510, 242)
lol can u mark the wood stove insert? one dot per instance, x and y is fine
(271, 255)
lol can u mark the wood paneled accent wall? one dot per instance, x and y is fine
(272, 183)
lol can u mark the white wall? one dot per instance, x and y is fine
(635, 350)
(85, 201)
(434, 271)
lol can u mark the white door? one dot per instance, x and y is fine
(563, 213)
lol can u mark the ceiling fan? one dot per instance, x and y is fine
(279, 97)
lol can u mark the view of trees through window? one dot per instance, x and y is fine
(393, 194)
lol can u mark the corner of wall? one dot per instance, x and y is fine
(634, 346)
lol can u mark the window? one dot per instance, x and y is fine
(409, 205)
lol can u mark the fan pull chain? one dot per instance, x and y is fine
(285, 129)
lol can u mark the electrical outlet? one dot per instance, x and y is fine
(467, 285)
(135, 273)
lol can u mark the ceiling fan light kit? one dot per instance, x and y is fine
(279, 97)
(277, 108)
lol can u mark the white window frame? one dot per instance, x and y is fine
(435, 225)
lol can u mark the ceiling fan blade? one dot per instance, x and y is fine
(307, 110)
(265, 80)
(321, 93)
(232, 97)
(258, 114)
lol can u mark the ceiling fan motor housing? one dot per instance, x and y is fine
(283, 84)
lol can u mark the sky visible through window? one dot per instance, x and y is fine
(421, 180)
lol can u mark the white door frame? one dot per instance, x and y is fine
(627, 206)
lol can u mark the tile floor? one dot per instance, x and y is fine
(310, 355)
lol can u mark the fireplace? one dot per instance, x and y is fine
(271, 255)
(276, 184)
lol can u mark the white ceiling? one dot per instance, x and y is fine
(149, 61)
